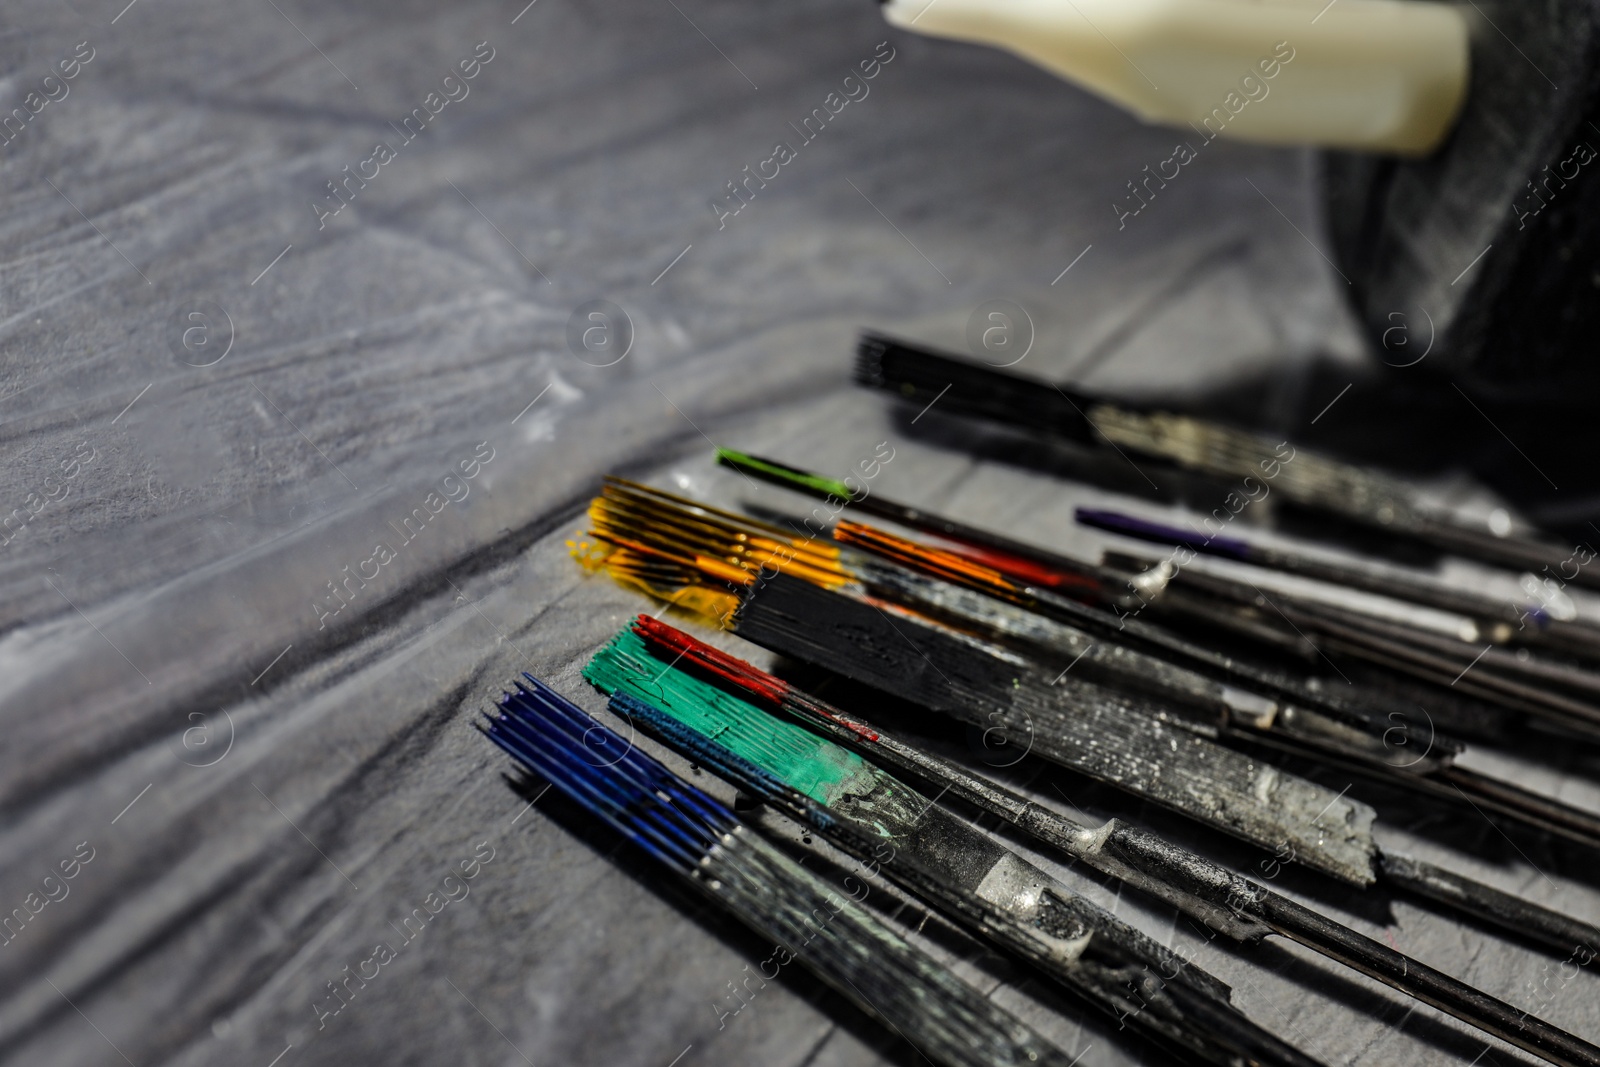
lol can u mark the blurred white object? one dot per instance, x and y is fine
(1378, 75)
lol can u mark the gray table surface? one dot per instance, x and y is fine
(268, 787)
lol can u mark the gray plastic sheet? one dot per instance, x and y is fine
(290, 492)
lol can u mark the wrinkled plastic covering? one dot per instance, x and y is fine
(296, 488)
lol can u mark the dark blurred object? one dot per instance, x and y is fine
(1486, 252)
